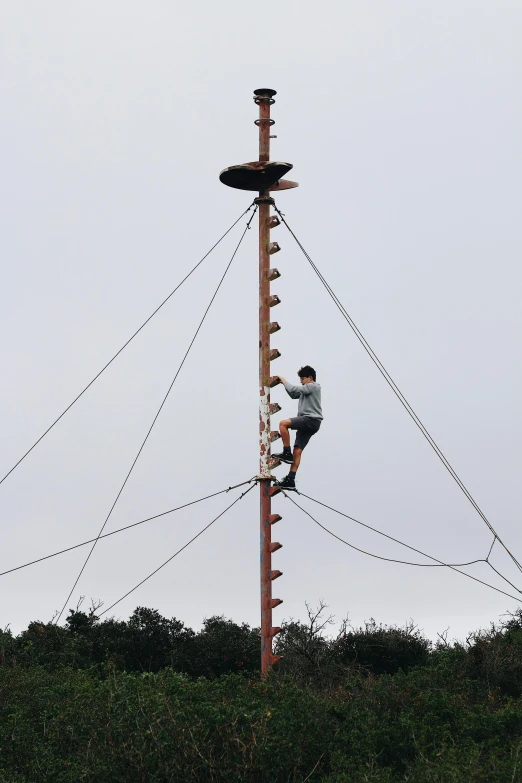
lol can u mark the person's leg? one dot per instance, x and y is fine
(288, 482)
(297, 459)
(304, 433)
(305, 430)
(301, 439)
(285, 455)
(284, 426)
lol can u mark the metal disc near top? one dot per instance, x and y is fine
(258, 175)
(265, 92)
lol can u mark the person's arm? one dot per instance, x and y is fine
(293, 391)
(307, 388)
(299, 391)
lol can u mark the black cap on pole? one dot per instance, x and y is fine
(265, 92)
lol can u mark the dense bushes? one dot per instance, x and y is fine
(148, 642)
(96, 702)
(496, 655)
(429, 724)
(308, 656)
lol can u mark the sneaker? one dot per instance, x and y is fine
(284, 456)
(286, 483)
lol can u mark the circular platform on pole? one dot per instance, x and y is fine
(265, 92)
(255, 176)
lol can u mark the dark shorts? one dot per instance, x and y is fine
(306, 426)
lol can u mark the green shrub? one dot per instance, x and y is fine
(103, 702)
(496, 655)
(428, 724)
(383, 649)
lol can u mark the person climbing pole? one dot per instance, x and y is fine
(306, 423)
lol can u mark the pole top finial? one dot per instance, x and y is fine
(264, 92)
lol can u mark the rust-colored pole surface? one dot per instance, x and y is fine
(264, 100)
(263, 176)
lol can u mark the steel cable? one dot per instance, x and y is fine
(176, 553)
(396, 540)
(400, 396)
(157, 414)
(438, 564)
(121, 529)
(401, 562)
(68, 408)
(379, 532)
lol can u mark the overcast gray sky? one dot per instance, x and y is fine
(403, 123)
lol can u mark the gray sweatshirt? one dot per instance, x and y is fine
(309, 396)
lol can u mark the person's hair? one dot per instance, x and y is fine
(306, 372)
